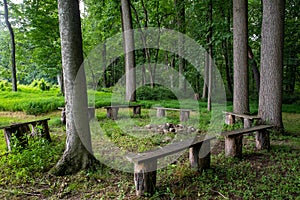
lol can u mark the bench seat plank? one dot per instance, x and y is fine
(247, 130)
(242, 115)
(167, 150)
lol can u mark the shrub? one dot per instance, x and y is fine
(5, 85)
(156, 93)
(41, 84)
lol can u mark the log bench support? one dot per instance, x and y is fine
(184, 113)
(91, 114)
(145, 164)
(234, 139)
(112, 111)
(22, 129)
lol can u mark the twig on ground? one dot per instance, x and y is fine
(219, 193)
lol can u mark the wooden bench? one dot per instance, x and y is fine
(20, 129)
(145, 164)
(91, 114)
(234, 139)
(230, 118)
(184, 113)
(112, 111)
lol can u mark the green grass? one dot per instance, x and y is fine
(259, 175)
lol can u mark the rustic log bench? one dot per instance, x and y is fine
(145, 164)
(184, 113)
(234, 139)
(91, 114)
(20, 129)
(112, 111)
(230, 118)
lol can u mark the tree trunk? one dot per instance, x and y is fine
(180, 17)
(240, 55)
(13, 48)
(129, 51)
(210, 50)
(254, 68)
(270, 95)
(77, 156)
(205, 85)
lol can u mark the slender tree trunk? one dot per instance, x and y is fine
(270, 95)
(13, 48)
(180, 17)
(240, 55)
(210, 50)
(254, 68)
(129, 51)
(78, 152)
(206, 74)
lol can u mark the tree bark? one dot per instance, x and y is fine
(240, 55)
(254, 68)
(76, 156)
(270, 95)
(129, 51)
(210, 50)
(13, 48)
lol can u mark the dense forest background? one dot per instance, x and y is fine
(38, 53)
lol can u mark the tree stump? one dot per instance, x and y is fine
(91, 113)
(200, 160)
(229, 119)
(262, 140)
(233, 146)
(160, 112)
(145, 177)
(184, 115)
(136, 110)
(112, 112)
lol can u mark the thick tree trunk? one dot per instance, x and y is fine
(129, 51)
(78, 153)
(240, 57)
(13, 48)
(270, 95)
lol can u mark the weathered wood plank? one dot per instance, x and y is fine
(175, 109)
(242, 115)
(247, 130)
(167, 150)
(23, 123)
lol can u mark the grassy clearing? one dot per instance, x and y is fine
(259, 175)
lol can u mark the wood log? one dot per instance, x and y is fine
(160, 112)
(247, 123)
(184, 115)
(262, 138)
(145, 177)
(136, 110)
(200, 160)
(229, 119)
(112, 112)
(91, 113)
(233, 146)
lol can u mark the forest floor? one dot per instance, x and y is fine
(273, 174)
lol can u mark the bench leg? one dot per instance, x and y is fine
(229, 119)
(160, 113)
(233, 146)
(247, 123)
(19, 132)
(200, 160)
(184, 115)
(112, 113)
(136, 110)
(145, 177)
(262, 139)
